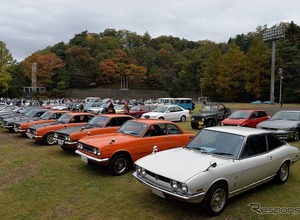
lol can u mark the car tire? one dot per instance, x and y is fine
(215, 200)
(283, 173)
(49, 139)
(119, 165)
(210, 123)
(194, 126)
(296, 135)
(161, 118)
(183, 118)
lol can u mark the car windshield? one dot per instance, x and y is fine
(133, 128)
(217, 143)
(210, 108)
(64, 119)
(30, 113)
(160, 109)
(286, 115)
(99, 121)
(46, 115)
(239, 115)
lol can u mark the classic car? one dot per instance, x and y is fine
(218, 163)
(211, 114)
(285, 124)
(168, 112)
(133, 140)
(138, 110)
(245, 118)
(32, 114)
(48, 116)
(45, 132)
(67, 138)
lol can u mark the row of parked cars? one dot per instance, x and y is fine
(209, 167)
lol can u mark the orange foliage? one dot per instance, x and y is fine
(46, 66)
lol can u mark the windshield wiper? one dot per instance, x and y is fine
(223, 153)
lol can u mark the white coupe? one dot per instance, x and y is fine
(218, 163)
(168, 112)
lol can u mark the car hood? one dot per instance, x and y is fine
(106, 139)
(179, 163)
(154, 113)
(73, 129)
(278, 124)
(205, 114)
(234, 120)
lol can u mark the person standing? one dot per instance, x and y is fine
(126, 108)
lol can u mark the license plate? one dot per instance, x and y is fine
(60, 142)
(158, 193)
(201, 123)
(84, 158)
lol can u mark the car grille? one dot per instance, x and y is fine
(87, 148)
(32, 131)
(61, 136)
(158, 177)
(270, 129)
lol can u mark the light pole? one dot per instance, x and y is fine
(273, 34)
(280, 84)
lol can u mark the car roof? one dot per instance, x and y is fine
(244, 131)
(114, 115)
(80, 113)
(153, 121)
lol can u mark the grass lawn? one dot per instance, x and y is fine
(45, 182)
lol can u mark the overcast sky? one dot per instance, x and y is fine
(30, 25)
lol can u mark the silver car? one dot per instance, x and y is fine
(284, 124)
(218, 163)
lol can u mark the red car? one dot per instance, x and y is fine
(67, 138)
(49, 116)
(245, 118)
(137, 111)
(45, 132)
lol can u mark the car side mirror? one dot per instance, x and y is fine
(155, 149)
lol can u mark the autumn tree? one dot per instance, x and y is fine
(231, 70)
(47, 65)
(257, 73)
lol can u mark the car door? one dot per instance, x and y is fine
(256, 162)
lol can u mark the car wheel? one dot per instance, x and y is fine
(119, 165)
(183, 118)
(283, 173)
(194, 126)
(210, 123)
(49, 139)
(161, 118)
(296, 135)
(215, 199)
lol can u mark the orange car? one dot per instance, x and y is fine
(49, 116)
(67, 138)
(133, 140)
(45, 132)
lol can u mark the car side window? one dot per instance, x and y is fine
(156, 130)
(274, 142)
(172, 129)
(254, 145)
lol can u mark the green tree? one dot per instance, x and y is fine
(257, 72)
(6, 60)
(231, 70)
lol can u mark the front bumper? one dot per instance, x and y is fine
(195, 198)
(93, 159)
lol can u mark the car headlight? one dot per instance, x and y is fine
(79, 146)
(141, 171)
(202, 119)
(286, 129)
(96, 151)
(179, 187)
(192, 118)
(67, 138)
